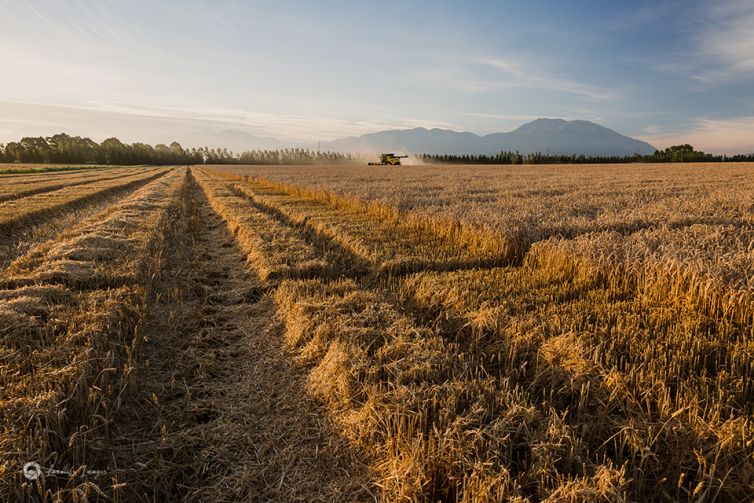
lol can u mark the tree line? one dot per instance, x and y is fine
(291, 156)
(62, 148)
(676, 153)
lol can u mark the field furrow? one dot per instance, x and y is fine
(27, 178)
(67, 346)
(19, 213)
(389, 241)
(276, 248)
(223, 414)
(99, 253)
(29, 236)
(35, 170)
(17, 190)
(522, 205)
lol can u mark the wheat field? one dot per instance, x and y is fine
(353, 333)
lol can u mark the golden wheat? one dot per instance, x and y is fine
(15, 214)
(627, 348)
(275, 250)
(72, 337)
(531, 203)
(477, 334)
(388, 240)
(18, 187)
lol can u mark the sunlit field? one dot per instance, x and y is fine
(575, 332)
(414, 333)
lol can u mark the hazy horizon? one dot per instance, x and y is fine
(664, 72)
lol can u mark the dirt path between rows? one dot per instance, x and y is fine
(219, 410)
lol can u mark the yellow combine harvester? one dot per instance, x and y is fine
(389, 160)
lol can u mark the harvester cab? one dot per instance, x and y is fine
(389, 160)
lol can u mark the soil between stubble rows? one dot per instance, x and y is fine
(221, 411)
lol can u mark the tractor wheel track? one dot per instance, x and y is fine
(224, 405)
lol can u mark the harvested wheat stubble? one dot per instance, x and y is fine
(16, 189)
(612, 367)
(48, 229)
(50, 182)
(44, 175)
(276, 250)
(16, 214)
(101, 253)
(65, 366)
(31, 169)
(29, 179)
(439, 428)
(391, 242)
(36, 173)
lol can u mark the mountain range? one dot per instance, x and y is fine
(554, 136)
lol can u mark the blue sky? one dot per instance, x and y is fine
(663, 71)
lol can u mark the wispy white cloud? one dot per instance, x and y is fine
(289, 126)
(485, 74)
(641, 16)
(719, 46)
(83, 20)
(152, 123)
(208, 13)
(728, 43)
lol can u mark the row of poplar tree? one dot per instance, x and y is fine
(62, 148)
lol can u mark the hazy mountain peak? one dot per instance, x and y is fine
(540, 125)
(545, 122)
